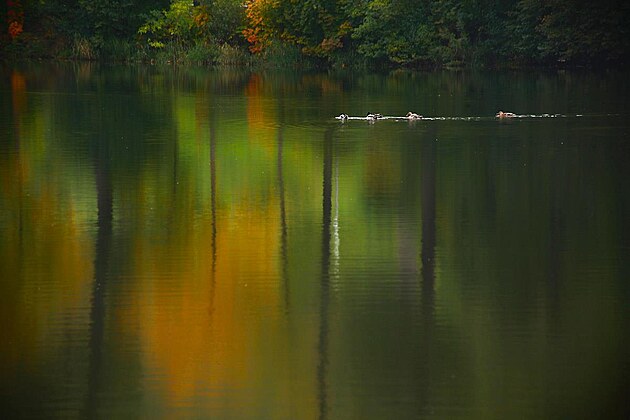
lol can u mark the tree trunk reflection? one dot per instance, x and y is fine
(427, 256)
(283, 214)
(104, 193)
(322, 347)
(428, 224)
(213, 208)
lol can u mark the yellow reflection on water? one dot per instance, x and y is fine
(209, 318)
(47, 254)
(208, 302)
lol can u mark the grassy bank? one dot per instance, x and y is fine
(124, 51)
(278, 54)
(120, 51)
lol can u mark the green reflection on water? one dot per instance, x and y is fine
(193, 242)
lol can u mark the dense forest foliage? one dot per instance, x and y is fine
(409, 33)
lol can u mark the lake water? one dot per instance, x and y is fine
(184, 243)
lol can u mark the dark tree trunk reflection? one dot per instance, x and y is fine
(17, 103)
(104, 193)
(283, 214)
(213, 208)
(427, 256)
(322, 346)
(428, 224)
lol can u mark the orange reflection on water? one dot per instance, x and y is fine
(261, 114)
(208, 310)
(18, 92)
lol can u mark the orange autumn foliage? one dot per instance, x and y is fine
(15, 18)
(256, 33)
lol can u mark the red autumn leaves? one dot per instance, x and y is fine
(15, 18)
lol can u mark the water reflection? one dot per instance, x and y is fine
(105, 208)
(213, 207)
(284, 259)
(173, 245)
(428, 175)
(322, 346)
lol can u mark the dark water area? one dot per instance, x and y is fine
(214, 244)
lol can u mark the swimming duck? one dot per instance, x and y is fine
(373, 117)
(342, 117)
(502, 114)
(413, 116)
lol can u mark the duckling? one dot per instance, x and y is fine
(502, 114)
(413, 116)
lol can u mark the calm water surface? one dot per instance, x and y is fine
(214, 244)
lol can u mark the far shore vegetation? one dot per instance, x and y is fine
(321, 33)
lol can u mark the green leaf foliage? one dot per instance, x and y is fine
(409, 33)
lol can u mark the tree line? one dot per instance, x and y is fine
(400, 33)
